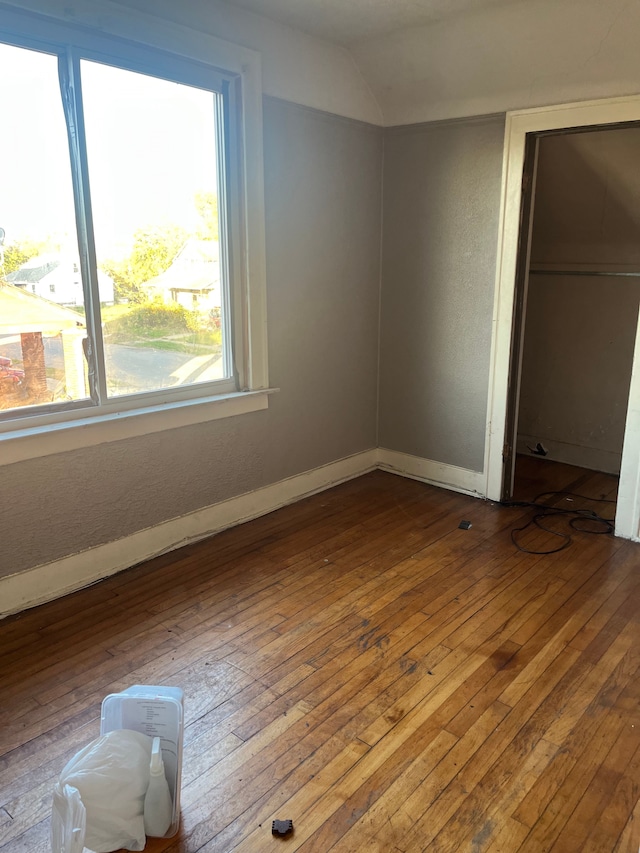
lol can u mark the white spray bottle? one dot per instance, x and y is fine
(158, 807)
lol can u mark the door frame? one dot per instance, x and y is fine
(519, 123)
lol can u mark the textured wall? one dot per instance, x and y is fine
(323, 183)
(441, 204)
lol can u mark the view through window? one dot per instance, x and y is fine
(157, 295)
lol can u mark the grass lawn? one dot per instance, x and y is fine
(180, 346)
(157, 326)
(113, 312)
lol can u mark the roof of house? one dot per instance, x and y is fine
(21, 311)
(33, 272)
(196, 267)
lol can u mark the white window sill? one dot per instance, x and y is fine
(33, 442)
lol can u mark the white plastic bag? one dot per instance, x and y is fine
(108, 780)
(69, 820)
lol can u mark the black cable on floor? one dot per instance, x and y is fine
(575, 517)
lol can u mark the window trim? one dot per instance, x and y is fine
(36, 441)
(126, 38)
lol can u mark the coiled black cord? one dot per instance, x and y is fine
(576, 518)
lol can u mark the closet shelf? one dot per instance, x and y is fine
(608, 273)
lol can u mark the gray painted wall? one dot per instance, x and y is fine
(323, 185)
(580, 332)
(441, 207)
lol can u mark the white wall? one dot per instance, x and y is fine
(510, 56)
(295, 67)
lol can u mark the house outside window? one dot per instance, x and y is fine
(138, 184)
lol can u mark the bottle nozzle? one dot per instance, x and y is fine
(156, 767)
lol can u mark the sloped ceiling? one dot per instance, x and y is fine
(505, 57)
(349, 21)
(396, 62)
(425, 60)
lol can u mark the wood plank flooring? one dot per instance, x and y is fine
(358, 664)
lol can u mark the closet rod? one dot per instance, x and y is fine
(617, 273)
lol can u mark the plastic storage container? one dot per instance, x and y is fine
(157, 712)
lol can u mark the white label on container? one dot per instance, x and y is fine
(156, 718)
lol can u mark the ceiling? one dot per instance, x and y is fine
(347, 22)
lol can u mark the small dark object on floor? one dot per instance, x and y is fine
(538, 450)
(281, 827)
(464, 525)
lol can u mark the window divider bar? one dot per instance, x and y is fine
(221, 112)
(234, 188)
(71, 91)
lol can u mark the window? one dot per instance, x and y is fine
(129, 166)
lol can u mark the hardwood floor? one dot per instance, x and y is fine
(535, 475)
(360, 665)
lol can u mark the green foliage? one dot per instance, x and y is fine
(124, 289)
(207, 207)
(161, 326)
(151, 320)
(154, 250)
(19, 252)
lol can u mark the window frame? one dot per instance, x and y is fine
(175, 53)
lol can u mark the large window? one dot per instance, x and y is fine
(123, 233)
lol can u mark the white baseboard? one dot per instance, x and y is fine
(592, 458)
(436, 473)
(52, 580)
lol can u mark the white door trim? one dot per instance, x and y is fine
(518, 124)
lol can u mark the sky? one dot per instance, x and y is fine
(150, 144)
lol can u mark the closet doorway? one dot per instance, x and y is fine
(566, 359)
(580, 309)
